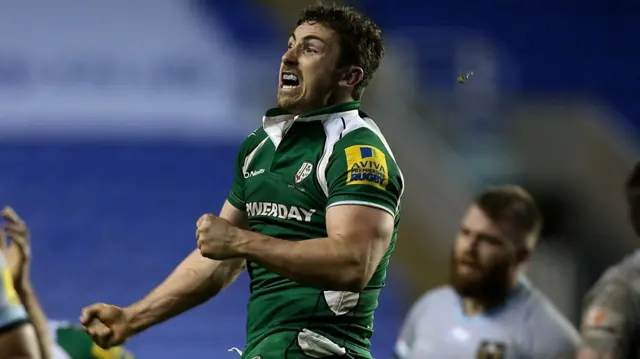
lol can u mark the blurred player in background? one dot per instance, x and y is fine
(61, 340)
(489, 310)
(72, 342)
(23, 332)
(18, 339)
(319, 191)
(611, 320)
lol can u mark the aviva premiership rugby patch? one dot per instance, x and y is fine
(367, 165)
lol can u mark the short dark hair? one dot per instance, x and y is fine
(361, 42)
(513, 206)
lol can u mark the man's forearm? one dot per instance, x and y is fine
(193, 282)
(38, 318)
(323, 263)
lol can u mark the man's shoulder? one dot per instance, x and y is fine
(617, 280)
(441, 292)
(443, 296)
(549, 334)
(355, 128)
(354, 134)
(544, 316)
(616, 295)
(253, 140)
(623, 272)
(258, 134)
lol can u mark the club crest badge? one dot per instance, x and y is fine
(491, 350)
(304, 172)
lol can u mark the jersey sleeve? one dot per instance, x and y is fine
(407, 337)
(362, 171)
(236, 195)
(608, 321)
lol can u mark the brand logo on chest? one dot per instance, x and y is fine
(281, 211)
(491, 350)
(253, 173)
(304, 171)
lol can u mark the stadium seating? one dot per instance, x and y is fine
(555, 47)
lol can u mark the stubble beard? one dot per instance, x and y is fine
(287, 101)
(307, 99)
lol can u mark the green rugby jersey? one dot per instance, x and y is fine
(288, 173)
(72, 342)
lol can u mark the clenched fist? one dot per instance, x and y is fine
(107, 325)
(217, 238)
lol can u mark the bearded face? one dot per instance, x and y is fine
(489, 283)
(483, 262)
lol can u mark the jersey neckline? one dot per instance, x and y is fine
(280, 114)
(521, 287)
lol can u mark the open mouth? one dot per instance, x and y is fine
(289, 80)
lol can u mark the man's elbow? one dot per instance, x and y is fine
(356, 286)
(357, 269)
(355, 279)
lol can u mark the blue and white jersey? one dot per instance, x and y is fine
(527, 326)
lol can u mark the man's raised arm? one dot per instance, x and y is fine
(193, 282)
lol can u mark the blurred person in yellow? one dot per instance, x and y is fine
(23, 331)
(489, 310)
(312, 214)
(62, 340)
(611, 317)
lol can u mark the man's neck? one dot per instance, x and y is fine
(329, 103)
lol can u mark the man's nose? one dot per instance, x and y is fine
(290, 58)
(471, 244)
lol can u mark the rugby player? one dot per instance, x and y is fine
(23, 331)
(61, 339)
(610, 323)
(313, 212)
(489, 310)
(18, 339)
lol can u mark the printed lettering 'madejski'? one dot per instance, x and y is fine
(279, 211)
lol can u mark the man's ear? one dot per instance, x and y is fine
(351, 76)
